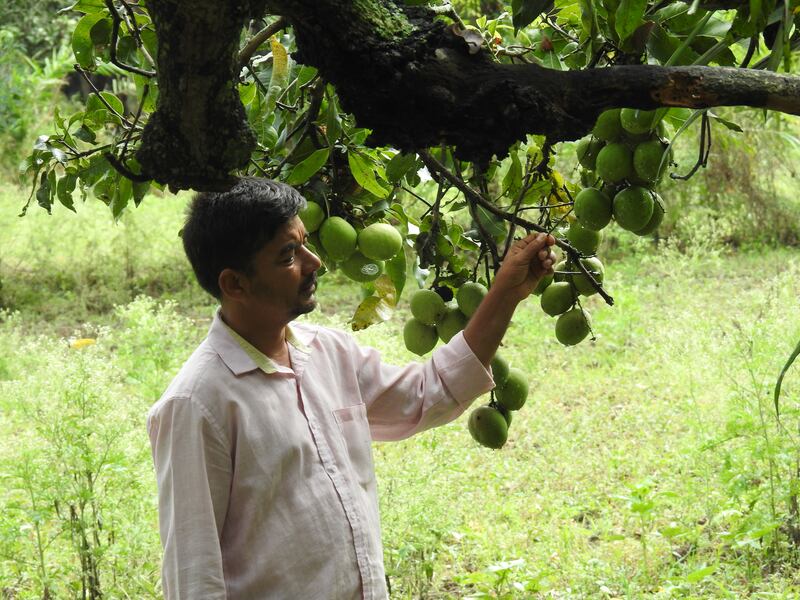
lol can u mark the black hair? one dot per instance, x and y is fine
(224, 230)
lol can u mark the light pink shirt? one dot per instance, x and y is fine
(265, 481)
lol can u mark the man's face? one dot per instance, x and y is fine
(283, 278)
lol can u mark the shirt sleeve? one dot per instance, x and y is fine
(193, 470)
(402, 401)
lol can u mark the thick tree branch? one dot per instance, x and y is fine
(411, 79)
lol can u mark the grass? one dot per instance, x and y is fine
(646, 463)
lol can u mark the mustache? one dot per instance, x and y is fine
(312, 280)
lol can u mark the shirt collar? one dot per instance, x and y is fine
(241, 356)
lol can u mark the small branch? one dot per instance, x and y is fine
(705, 149)
(105, 103)
(117, 20)
(259, 38)
(123, 170)
(134, 27)
(473, 196)
(145, 91)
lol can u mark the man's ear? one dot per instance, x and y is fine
(233, 284)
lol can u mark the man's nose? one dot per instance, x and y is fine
(312, 262)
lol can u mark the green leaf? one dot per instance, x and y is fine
(98, 112)
(85, 6)
(630, 14)
(304, 170)
(123, 192)
(365, 175)
(777, 394)
(43, 194)
(523, 12)
(82, 44)
(512, 182)
(700, 574)
(396, 270)
(729, 124)
(64, 189)
(140, 190)
(86, 134)
(399, 165)
(371, 311)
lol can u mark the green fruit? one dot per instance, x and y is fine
(418, 337)
(450, 324)
(587, 150)
(558, 298)
(360, 268)
(499, 369)
(542, 285)
(513, 393)
(581, 282)
(586, 241)
(573, 326)
(312, 216)
(608, 126)
(488, 427)
(469, 296)
(637, 121)
(509, 415)
(647, 160)
(633, 208)
(592, 208)
(615, 163)
(427, 306)
(379, 241)
(558, 271)
(338, 238)
(655, 220)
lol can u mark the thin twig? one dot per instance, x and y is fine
(134, 27)
(145, 91)
(100, 97)
(254, 43)
(125, 171)
(116, 21)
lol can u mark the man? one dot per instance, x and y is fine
(262, 442)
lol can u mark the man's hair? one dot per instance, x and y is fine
(224, 230)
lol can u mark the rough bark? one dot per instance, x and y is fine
(199, 132)
(412, 80)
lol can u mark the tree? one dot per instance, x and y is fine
(356, 96)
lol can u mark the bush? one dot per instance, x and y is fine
(29, 89)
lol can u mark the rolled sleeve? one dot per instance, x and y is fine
(464, 376)
(402, 401)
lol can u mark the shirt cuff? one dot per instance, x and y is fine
(462, 373)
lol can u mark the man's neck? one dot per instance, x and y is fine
(269, 338)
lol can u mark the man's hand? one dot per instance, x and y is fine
(527, 261)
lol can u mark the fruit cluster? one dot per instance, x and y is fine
(489, 424)
(359, 253)
(624, 159)
(433, 319)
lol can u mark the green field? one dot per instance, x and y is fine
(647, 463)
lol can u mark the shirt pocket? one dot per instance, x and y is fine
(354, 426)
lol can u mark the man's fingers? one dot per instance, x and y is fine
(531, 244)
